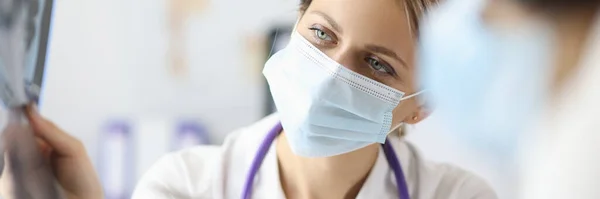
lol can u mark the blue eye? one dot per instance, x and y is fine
(322, 35)
(378, 65)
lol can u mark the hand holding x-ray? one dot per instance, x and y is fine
(25, 171)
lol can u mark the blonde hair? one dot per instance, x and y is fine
(415, 10)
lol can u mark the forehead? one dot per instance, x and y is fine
(364, 10)
(380, 22)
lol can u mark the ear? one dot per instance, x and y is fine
(418, 115)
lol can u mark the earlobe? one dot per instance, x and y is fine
(412, 120)
(417, 116)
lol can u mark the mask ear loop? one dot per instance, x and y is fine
(410, 30)
(395, 128)
(405, 98)
(413, 95)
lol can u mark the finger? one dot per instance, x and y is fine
(45, 148)
(62, 143)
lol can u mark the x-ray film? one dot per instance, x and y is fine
(23, 35)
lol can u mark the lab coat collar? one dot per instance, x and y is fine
(269, 185)
(380, 181)
(379, 184)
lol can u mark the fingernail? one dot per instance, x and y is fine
(33, 110)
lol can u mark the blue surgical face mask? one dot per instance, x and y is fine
(325, 108)
(487, 82)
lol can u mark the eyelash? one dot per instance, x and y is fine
(385, 70)
(320, 41)
(388, 70)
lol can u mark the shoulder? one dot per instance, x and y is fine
(203, 171)
(440, 180)
(460, 183)
(173, 175)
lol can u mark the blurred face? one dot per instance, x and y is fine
(373, 38)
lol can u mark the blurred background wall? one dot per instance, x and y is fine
(112, 61)
(150, 67)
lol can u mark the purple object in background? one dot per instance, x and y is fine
(189, 134)
(116, 163)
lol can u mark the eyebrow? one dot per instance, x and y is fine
(329, 20)
(387, 52)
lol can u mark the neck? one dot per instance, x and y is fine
(572, 29)
(339, 176)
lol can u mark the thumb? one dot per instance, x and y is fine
(61, 143)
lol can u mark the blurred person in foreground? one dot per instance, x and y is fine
(520, 79)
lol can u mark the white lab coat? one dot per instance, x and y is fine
(220, 172)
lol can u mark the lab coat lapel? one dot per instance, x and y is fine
(267, 185)
(381, 182)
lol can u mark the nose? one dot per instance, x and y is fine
(346, 57)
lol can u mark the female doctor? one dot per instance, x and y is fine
(344, 82)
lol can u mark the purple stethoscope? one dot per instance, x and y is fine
(266, 144)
